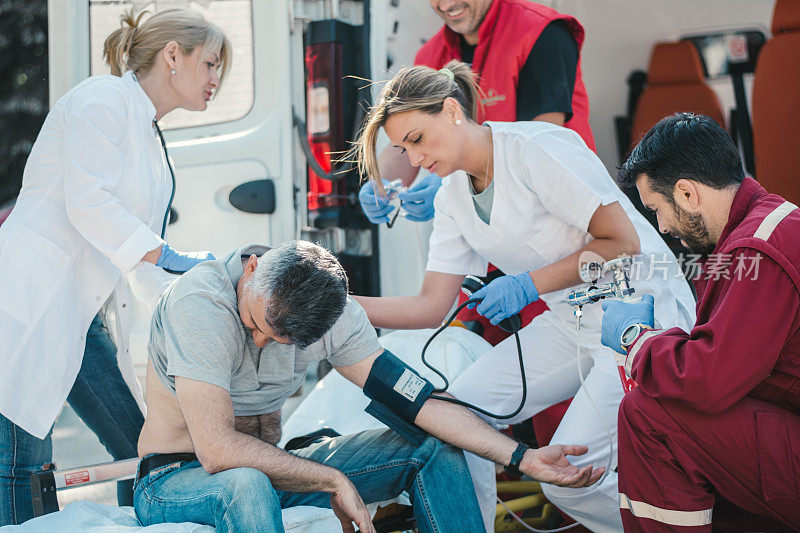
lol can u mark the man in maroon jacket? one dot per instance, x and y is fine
(715, 412)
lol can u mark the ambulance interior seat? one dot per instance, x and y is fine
(675, 83)
(776, 105)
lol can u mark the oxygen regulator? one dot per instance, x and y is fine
(618, 287)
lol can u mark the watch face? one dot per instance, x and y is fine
(630, 334)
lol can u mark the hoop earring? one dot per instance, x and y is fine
(458, 122)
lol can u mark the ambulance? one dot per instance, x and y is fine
(260, 165)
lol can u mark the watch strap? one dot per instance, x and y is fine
(516, 459)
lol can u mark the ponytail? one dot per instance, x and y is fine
(117, 45)
(463, 77)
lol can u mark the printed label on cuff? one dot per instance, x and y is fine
(409, 385)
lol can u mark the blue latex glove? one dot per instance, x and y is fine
(178, 261)
(374, 206)
(418, 200)
(505, 296)
(619, 316)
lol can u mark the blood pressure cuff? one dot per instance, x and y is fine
(397, 386)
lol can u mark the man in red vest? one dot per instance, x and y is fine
(526, 57)
(714, 418)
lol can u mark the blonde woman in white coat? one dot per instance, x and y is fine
(532, 199)
(95, 193)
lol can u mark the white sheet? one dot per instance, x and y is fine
(98, 518)
(85, 516)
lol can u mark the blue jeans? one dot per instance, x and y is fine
(380, 463)
(101, 399)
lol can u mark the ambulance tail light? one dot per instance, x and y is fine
(325, 128)
(337, 97)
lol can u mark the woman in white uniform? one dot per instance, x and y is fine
(531, 198)
(95, 193)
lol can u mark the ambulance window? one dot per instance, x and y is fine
(234, 17)
(720, 52)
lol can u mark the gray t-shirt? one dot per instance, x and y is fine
(196, 333)
(483, 201)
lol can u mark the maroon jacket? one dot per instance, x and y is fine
(506, 37)
(746, 340)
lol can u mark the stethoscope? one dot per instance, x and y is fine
(171, 173)
(169, 166)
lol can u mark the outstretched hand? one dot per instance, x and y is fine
(348, 507)
(550, 465)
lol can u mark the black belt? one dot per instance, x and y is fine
(157, 460)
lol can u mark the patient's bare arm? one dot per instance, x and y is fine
(457, 425)
(208, 411)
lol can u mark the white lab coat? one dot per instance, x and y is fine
(93, 198)
(547, 187)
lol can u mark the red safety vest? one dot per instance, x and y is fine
(505, 40)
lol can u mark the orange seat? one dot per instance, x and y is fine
(675, 83)
(776, 105)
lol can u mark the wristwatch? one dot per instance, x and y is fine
(516, 459)
(631, 333)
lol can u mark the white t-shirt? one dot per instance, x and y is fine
(548, 185)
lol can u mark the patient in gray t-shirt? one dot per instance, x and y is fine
(197, 333)
(230, 340)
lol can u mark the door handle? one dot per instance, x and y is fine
(257, 196)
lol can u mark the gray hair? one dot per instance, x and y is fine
(305, 289)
